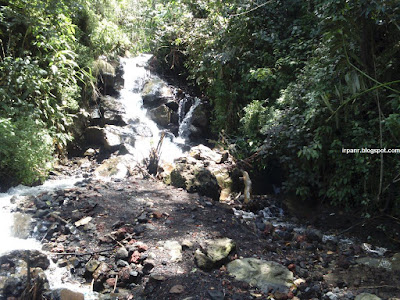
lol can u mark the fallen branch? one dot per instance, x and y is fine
(115, 283)
(58, 218)
(380, 286)
(83, 254)
(357, 224)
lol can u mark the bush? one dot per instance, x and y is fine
(25, 149)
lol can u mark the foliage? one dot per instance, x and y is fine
(47, 52)
(25, 150)
(298, 81)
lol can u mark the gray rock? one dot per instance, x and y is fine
(122, 253)
(161, 115)
(375, 262)
(395, 260)
(219, 249)
(115, 167)
(174, 249)
(148, 265)
(216, 294)
(122, 263)
(266, 275)
(203, 261)
(112, 111)
(100, 273)
(156, 92)
(65, 294)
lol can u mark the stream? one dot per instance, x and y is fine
(16, 226)
(199, 215)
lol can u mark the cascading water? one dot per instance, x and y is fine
(135, 77)
(184, 125)
(16, 227)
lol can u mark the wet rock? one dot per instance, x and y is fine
(13, 286)
(112, 111)
(156, 92)
(200, 117)
(94, 135)
(36, 258)
(266, 275)
(367, 296)
(161, 115)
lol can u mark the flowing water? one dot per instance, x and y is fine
(135, 77)
(15, 226)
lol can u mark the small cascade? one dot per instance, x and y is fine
(146, 132)
(184, 125)
(135, 77)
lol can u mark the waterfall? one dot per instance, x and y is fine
(184, 125)
(135, 77)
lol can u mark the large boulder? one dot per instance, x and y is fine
(112, 111)
(110, 137)
(156, 92)
(200, 123)
(115, 167)
(194, 178)
(109, 75)
(162, 115)
(202, 170)
(266, 275)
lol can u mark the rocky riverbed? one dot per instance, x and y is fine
(137, 238)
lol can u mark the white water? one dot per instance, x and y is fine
(135, 76)
(7, 218)
(9, 224)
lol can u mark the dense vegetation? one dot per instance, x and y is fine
(291, 83)
(48, 54)
(295, 82)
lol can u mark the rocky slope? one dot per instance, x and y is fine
(136, 238)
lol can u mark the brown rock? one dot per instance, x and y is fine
(177, 289)
(280, 296)
(110, 282)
